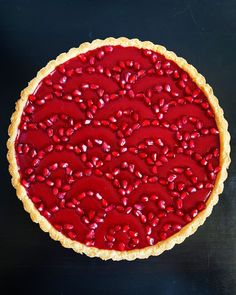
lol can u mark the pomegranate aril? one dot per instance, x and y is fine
(135, 241)
(201, 206)
(36, 162)
(161, 204)
(169, 209)
(36, 200)
(178, 170)
(176, 227)
(171, 177)
(179, 203)
(71, 235)
(58, 227)
(132, 233)
(167, 87)
(163, 236)
(128, 210)
(150, 216)
(29, 171)
(160, 72)
(187, 218)
(40, 178)
(179, 213)
(68, 226)
(150, 241)
(194, 213)
(216, 153)
(110, 238)
(166, 227)
(55, 209)
(217, 169)
(121, 247)
(180, 186)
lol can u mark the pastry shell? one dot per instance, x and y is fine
(161, 246)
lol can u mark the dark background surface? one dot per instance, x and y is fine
(32, 33)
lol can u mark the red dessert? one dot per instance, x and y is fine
(118, 148)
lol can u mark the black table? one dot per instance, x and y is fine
(33, 32)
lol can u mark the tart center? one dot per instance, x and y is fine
(118, 148)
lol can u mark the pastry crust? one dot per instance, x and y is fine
(187, 230)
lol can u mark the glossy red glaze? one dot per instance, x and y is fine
(118, 148)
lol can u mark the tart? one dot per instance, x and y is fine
(119, 149)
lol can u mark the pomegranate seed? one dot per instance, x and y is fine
(40, 178)
(194, 213)
(179, 213)
(181, 101)
(161, 204)
(100, 54)
(175, 194)
(132, 233)
(128, 210)
(178, 170)
(150, 216)
(70, 205)
(178, 136)
(201, 206)
(58, 227)
(68, 226)
(199, 125)
(148, 229)
(208, 185)
(169, 209)
(150, 240)
(46, 214)
(196, 92)
(176, 74)
(217, 169)
(147, 52)
(91, 234)
(167, 87)
(166, 227)
(187, 218)
(62, 204)
(216, 153)
(36, 200)
(192, 189)
(214, 131)
(121, 246)
(163, 236)
(204, 162)
(35, 162)
(135, 241)
(153, 179)
(160, 72)
(171, 177)
(176, 227)
(79, 211)
(179, 203)
(153, 57)
(89, 243)
(180, 186)
(108, 49)
(171, 185)
(71, 235)
(110, 238)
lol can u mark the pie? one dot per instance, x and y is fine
(119, 149)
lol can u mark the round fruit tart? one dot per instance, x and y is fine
(119, 149)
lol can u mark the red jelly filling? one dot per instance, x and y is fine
(118, 148)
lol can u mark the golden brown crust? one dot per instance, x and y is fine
(160, 247)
